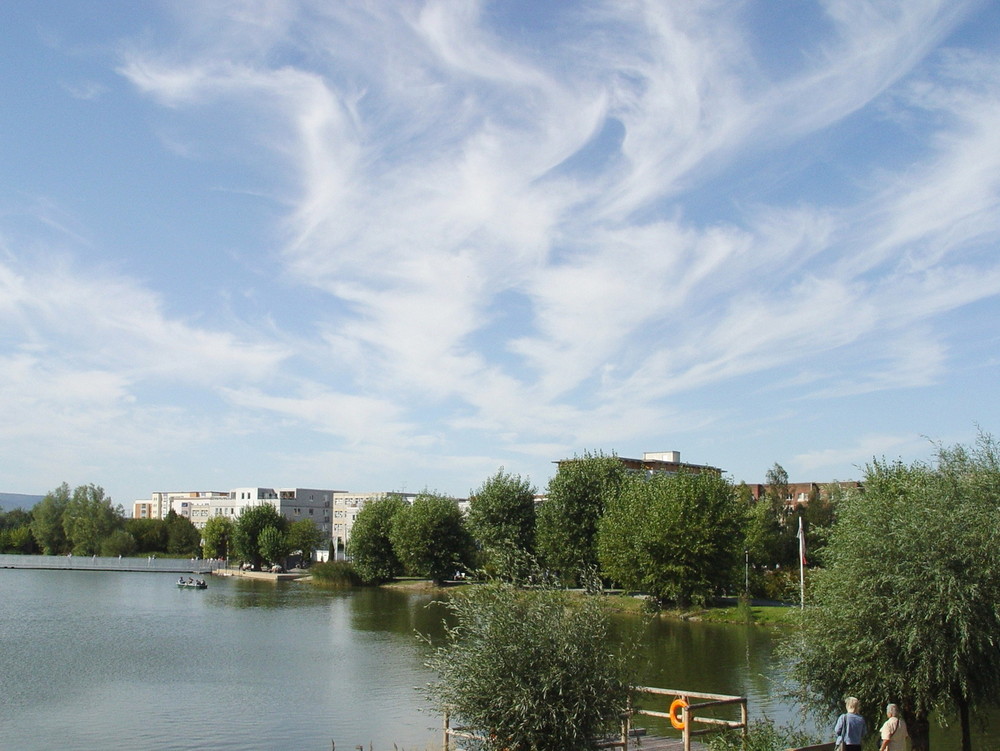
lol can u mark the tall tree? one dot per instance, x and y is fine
(908, 607)
(150, 535)
(430, 537)
(567, 520)
(370, 544)
(183, 538)
(777, 492)
(89, 518)
(273, 545)
(502, 515)
(304, 536)
(675, 537)
(47, 521)
(215, 537)
(246, 531)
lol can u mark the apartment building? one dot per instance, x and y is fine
(187, 503)
(199, 506)
(800, 493)
(345, 510)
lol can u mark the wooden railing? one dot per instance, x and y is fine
(690, 716)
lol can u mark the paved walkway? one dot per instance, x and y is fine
(149, 564)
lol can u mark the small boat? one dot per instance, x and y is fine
(191, 583)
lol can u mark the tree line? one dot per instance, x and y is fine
(682, 538)
(903, 608)
(85, 521)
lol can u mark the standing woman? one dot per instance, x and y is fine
(850, 727)
(894, 733)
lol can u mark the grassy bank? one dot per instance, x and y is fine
(758, 614)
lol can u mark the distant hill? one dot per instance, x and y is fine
(10, 501)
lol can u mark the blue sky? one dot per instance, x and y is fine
(373, 246)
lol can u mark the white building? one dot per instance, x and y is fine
(294, 504)
(345, 510)
(183, 502)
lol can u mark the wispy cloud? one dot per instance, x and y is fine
(492, 236)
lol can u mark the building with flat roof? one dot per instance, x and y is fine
(658, 462)
(199, 506)
(346, 507)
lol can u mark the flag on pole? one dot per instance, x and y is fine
(802, 543)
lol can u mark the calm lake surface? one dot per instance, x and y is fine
(98, 660)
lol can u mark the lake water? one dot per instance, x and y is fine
(103, 660)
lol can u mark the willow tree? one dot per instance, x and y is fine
(531, 670)
(908, 608)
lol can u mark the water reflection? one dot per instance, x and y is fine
(103, 661)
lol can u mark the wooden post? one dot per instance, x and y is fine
(686, 720)
(446, 728)
(744, 719)
(626, 723)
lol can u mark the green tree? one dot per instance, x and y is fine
(502, 515)
(246, 531)
(47, 521)
(304, 536)
(777, 492)
(675, 537)
(370, 544)
(762, 534)
(15, 518)
(150, 535)
(89, 518)
(777, 497)
(430, 538)
(908, 608)
(118, 542)
(532, 670)
(273, 545)
(566, 538)
(17, 540)
(216, 535)
(183, 538)
(15, 532)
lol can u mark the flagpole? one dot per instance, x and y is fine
(802, 566)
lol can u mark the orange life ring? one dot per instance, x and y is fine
(677, 719)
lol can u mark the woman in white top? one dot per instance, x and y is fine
(893, 732)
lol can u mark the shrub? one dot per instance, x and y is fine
(531, 670)
(335, 573)
(762, 735)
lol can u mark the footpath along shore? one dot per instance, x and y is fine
(265, 575)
